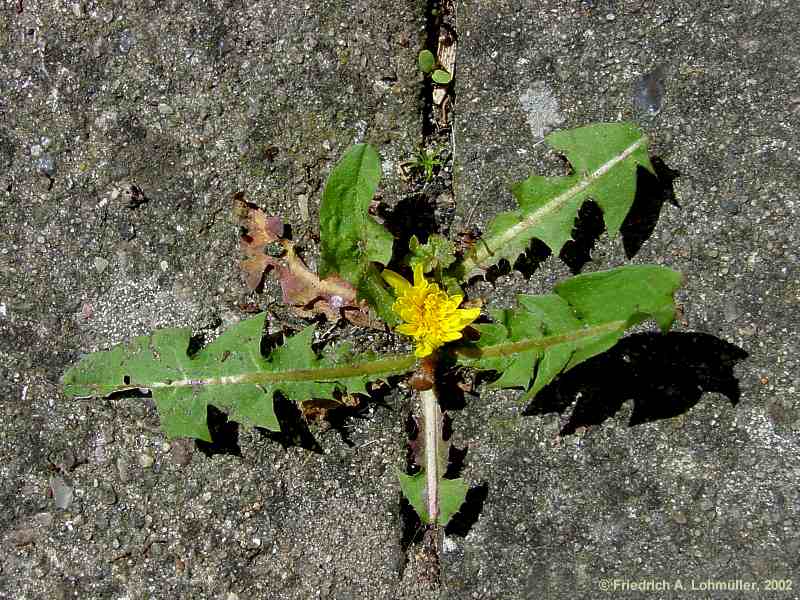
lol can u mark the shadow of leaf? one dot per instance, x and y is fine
(224, 434)
(468, 514)
(413, 215)
(651, 193)
(294, 429)
(664, 374)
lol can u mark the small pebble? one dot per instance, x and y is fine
(680, 517)
(127, 40)
(62, 493)
(730, 206)
(108, 496)
(44, 519)
(46, 165)
(729, 310)
(68, 459)
(146, 460)
(648, 92)
(126, 230)
(302, 203)
(22, 537)
(164, 265)
(122, 470)
(181, 452)
(100, 264)
(98, 47)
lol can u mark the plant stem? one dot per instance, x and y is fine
(432, 416)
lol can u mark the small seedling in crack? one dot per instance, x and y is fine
(425, 162)
(528, 345)
(426, 61)
(430, 65)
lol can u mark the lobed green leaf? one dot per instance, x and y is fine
(549, 334)
(437, 253)
(230, 373)
(604, 158)
(452, 493)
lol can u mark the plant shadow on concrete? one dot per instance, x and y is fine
(664, 374)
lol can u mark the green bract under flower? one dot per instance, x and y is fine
(430, 315)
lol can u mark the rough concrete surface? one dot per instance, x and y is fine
(125, 127)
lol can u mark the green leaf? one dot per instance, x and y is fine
(441, 77)
(373, 289)
(586, 316)
(230, 373)
(452, 493)
(437, 253)
(434, 498)
(426, 60)
(604, 158)
(350, 239)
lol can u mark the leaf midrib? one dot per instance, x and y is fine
(389, 365)
(484, 250)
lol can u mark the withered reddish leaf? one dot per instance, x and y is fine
(306, 292)
(302, 289)
(318, 409)
(259, 231)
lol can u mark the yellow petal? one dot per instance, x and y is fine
(397, 281)
(449, 336)
(467, 315)
(419, 276)
(430, 315)
(411, 329)
(423, 349)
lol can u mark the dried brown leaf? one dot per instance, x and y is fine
(259, 231)
(264, 248)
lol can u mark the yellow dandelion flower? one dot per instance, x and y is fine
(430, 315)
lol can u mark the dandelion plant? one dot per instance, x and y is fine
(527, 345)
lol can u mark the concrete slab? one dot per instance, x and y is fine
(706, 495)
(126, 128)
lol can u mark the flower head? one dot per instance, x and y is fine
(430, 315)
